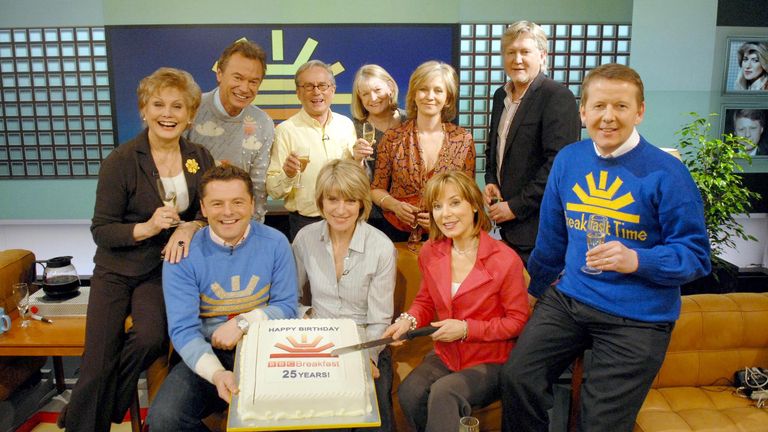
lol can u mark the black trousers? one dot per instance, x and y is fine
(114, 359)
(626, 355)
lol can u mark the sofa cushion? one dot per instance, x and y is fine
(710, 408)
(715, 336)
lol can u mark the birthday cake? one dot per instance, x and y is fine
(287, 372)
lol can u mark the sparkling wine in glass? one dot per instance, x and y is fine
(414, 238)
(304, 161)
(469, 424)
(21, 295)
(369, 134)
(495, 230)
(167, 193)
(597, 229)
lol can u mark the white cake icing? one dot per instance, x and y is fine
(286, 371)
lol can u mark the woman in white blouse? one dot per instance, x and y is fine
(350, 266)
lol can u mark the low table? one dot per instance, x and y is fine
(65, 337)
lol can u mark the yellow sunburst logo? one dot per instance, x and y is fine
(236, 300)
(600, 199)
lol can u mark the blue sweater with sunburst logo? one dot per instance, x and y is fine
(216, 282)
(653, 207)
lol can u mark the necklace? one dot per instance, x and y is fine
(471, 248)
(167, 164)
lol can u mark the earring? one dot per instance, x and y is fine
(474, 210)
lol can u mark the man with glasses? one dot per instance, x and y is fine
(230, 126)
(314, 133)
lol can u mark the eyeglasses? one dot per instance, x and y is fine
(311, 87)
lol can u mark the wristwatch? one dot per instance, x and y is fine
(242, 323)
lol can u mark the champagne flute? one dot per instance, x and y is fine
(167, 193)
(469, 424)
(304, 161)
(21, 295)
(369, 134)
(414, 238)
(597, 229)
(495, 230)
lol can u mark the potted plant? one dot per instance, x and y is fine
(714, 166)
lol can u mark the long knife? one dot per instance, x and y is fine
(424, 331)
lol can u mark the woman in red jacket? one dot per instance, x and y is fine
(475, 286)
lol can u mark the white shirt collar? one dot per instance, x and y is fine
(220, 106)
(358, 240)
(629, 144)
(221, 242)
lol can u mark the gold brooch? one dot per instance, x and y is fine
(192, 166)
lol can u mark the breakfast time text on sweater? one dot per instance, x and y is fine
(606, 199)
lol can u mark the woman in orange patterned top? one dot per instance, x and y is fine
(426, 144)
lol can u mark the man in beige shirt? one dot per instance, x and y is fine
(314, 133)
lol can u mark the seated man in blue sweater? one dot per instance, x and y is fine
(238, 272)
(656, 240)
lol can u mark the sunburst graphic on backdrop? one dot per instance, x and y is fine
(277, 94)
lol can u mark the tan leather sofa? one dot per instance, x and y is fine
(716, 335)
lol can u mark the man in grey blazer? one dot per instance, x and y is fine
(533, 118)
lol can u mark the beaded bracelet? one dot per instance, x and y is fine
(466, 330)
(409, 317)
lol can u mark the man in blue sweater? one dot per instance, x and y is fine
(238, 272)
(656, 240)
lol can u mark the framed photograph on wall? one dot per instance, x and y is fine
(746, 69)
(748, 121)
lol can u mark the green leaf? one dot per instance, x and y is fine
(713, 162)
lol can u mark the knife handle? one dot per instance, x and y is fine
(423, 331)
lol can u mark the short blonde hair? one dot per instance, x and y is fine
(468, 191)
(166, 77)
(347, 178)
(420, 77)
(530, 29)
(364, 74)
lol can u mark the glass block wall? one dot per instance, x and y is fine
(574, 49)
(55, 111)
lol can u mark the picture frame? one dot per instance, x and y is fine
(750, 121)
(752, 79)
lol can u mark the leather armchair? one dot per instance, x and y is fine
(16, 265)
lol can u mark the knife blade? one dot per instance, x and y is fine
(424, 331)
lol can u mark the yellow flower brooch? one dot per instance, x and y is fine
(192, 166)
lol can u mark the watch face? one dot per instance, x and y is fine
(242, 324)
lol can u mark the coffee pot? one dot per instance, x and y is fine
(60, 279)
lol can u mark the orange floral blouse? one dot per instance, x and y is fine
(400, 167)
